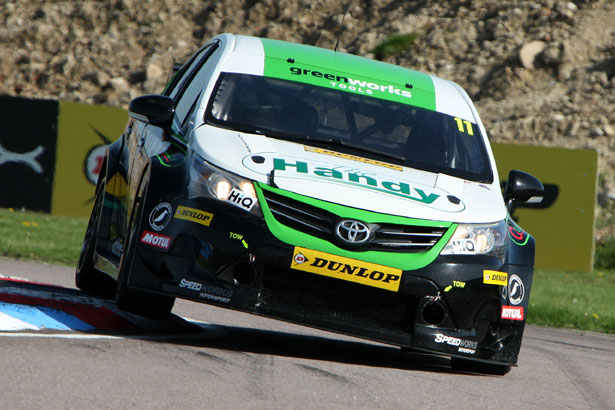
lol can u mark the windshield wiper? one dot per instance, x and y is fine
(336, 143)
(307, 139)
(245, 128)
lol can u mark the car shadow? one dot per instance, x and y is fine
(285, 344)
(61, 303)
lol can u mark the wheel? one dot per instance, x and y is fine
(132, 300)
(465, 365)
(87, 277)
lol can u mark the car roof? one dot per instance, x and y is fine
(275, 58)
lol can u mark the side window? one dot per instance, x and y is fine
(194, 86)
(186, 72)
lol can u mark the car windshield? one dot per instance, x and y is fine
(350, 123)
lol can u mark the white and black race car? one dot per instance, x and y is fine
(320, 188)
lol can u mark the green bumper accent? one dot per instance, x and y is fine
(400, 260)
(349, 73)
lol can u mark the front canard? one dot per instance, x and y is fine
(352, 270)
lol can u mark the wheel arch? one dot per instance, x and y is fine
(521, 252)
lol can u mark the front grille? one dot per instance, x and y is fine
(407, 237)
(301, 216)
(318, 222)
(316, 299)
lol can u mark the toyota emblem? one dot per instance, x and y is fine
(352, 232)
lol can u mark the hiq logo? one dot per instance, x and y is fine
(238, 198)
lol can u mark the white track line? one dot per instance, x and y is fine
(60, 336)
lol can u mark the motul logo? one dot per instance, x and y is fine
(512, 312)
(155, 239)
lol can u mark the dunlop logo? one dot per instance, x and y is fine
(193, 215)
(494, 277)
(348, 269)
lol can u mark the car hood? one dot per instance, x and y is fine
(349, 180)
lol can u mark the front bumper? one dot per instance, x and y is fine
(236, 262)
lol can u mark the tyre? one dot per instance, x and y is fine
(132, 300)
(464, 365)
(87, 277)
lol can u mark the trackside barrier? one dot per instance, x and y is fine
(563, 224)
(84, 131)
(51, 153)
(28, 139)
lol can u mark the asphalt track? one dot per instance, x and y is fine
(211, 358)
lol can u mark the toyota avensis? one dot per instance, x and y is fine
(319, 188)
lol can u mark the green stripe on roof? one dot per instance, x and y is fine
(347, 72)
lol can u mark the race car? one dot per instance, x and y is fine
(320, 188)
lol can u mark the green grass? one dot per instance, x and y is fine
(605, 255)
(573, 300)
(558, 299)
(41, 237)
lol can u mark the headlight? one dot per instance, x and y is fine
(209, 181)
(477, 239)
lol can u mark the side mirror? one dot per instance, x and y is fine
(154, 109)
(522, 188)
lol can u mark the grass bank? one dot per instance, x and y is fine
(41, 237)
(558, 299)
(574, 300)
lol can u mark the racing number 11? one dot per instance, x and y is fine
(468, 124)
